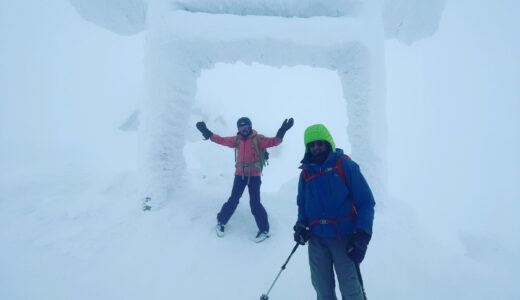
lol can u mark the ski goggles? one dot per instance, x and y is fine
(244, 127)
(319, 143)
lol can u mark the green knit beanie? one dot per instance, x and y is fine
(318, 132)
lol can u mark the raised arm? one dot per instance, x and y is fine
(266, 142)
(286, 125)
(230, 141)
(206, 133)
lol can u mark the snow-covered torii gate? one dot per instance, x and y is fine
(185, 37)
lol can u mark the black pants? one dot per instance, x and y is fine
(257, 209)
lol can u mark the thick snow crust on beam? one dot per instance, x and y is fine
(405, 20)
(324, 32)
(281, 8)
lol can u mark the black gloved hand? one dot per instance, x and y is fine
(302, 233)
(201, 126)
(357, 245)
(286, 125)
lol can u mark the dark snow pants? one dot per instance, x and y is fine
(325, 256)
(257, 209)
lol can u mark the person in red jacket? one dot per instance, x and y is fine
(249, 147)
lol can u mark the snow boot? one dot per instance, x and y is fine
(261, 236)
(220, 228)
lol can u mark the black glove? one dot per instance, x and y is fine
(357, 245)
(302, 233)
(201, 126)
(286, 125)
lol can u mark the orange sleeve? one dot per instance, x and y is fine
(266, 142)
(229, 141)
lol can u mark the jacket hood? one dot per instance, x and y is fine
(318, 132)
(331, 159)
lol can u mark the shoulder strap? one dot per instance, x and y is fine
(260, 154)
(339, 168)
(341, 173)
(236, 148)
(255, 144)
(308, 178)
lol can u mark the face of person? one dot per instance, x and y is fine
(318, 148)
(244, 129)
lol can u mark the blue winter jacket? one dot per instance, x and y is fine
(327, 197)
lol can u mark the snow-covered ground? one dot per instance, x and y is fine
(72, 228)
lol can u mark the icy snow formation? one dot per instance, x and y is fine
(409, 21)
(125, 17)
(285, 8)
(187, 37)
(406, 20)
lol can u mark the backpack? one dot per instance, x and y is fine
(339, 169)
(262, 155)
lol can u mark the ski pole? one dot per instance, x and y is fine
(361, 281)
(265, 296)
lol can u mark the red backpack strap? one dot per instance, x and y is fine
(341, 173)
(339, 168)
(336, 167)
(307, 178)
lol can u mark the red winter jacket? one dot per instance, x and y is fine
(246, 150)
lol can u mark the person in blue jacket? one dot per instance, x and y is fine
(335, 215)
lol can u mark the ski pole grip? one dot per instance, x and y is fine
(292, 252)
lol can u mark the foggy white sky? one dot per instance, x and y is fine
(453, 104)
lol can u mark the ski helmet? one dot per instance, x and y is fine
(244, 121)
